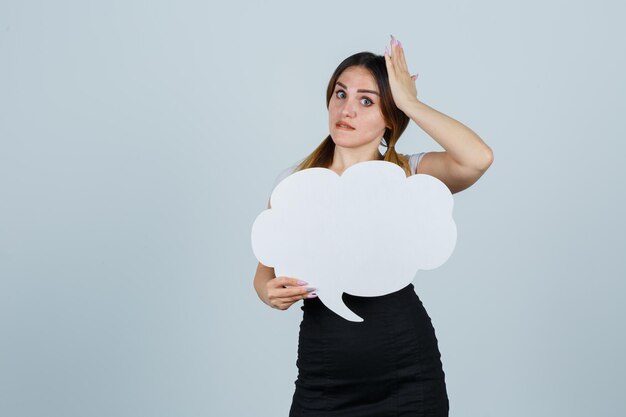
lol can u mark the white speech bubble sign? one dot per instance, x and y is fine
(366, 232)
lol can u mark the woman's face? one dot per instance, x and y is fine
(355, 101)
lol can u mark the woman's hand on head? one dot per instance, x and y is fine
(401, 81)
(279, 297)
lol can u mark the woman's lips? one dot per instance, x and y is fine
(344, 126)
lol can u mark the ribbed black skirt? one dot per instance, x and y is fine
(387, 365)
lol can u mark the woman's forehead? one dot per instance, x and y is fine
(357, 78)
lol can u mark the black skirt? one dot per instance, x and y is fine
(387, 365)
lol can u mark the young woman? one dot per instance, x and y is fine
(389, 364)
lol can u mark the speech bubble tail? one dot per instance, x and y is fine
(335, 303)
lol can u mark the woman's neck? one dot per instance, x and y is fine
(343, 159)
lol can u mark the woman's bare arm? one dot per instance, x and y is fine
(262, 276)
(466, 156)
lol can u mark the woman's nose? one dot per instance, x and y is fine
(348, 109)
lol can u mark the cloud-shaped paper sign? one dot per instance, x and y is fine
(366, 232)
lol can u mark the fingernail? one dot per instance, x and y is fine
(312, 295)
(400, 44)
(300, 282)
(386, 51)
(310, 289)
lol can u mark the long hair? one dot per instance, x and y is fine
(322, 156)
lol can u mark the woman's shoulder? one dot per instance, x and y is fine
(414, 159)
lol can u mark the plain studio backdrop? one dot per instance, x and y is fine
(140, 140)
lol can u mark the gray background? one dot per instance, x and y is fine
(140, 140)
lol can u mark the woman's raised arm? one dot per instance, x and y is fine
(466, 156)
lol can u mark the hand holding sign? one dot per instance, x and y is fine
(366, 232)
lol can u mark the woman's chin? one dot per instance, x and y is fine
(345, 142)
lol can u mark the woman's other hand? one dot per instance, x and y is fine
(401, 81)
(279, 297)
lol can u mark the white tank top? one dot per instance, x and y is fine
(413, 161)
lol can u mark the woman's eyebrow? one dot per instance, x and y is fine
(359, 91)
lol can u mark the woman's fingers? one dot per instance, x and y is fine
(389, 61)
(402, 59)
(295, 292)
(283, 281)
(277, 286)
(398, 60)
(394, 52)
(277, 290)
(285, 303)
(298, 297)
(282, 297)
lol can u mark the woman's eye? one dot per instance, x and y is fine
(342, 94)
